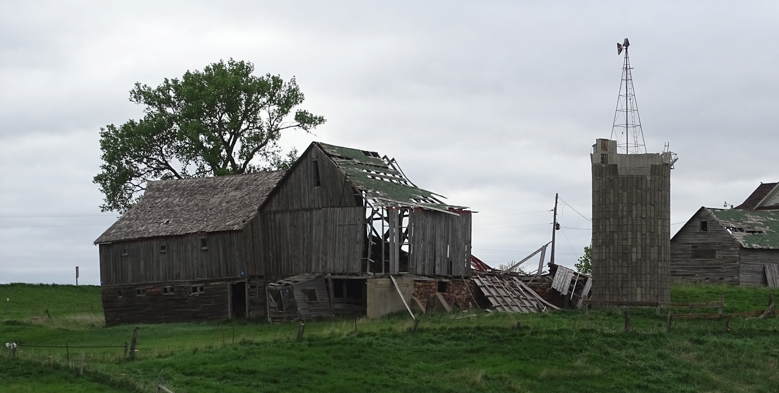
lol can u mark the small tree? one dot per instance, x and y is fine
(218, 121)
(585, 261)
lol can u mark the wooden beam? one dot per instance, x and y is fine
(397, 288)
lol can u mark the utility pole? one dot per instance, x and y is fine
(555, 227)
(76, 275)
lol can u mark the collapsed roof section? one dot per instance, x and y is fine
(751, 228)
(382, 181)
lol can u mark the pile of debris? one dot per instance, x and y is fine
(507, 293)
(513, 290)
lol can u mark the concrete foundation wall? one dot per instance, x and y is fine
(630, 226)
(382, 298)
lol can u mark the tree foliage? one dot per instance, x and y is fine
(218, 121)
(585, 261)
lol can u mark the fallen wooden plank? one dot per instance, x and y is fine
(537, 296)
(443, 302)
(397, 288)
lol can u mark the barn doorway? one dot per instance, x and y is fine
(238, 300)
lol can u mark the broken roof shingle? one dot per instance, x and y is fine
(751, 228)
(381, 179)
(184, 206)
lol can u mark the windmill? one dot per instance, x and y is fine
(627, 121)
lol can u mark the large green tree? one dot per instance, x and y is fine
(218, 121)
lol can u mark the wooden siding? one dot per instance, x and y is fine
(432, 235)
(722, 268)
(752, 272)
(298, 191)
(327, 240)
(183, 258)
(122, 303)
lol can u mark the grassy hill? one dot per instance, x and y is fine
(475, 351)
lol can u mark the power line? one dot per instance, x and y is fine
(574, 209)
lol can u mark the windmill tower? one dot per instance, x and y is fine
(627, 121)
(631, 197)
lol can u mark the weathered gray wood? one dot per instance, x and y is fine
(585, 291)
(687, 245)
(394, 240)
(772, 275)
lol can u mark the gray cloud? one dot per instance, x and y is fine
(492, 104)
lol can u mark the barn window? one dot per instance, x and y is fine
(310, 294)
(163, 248)
(119, 293)
(315, 168)
(704, 226)
(204, 243)
(604, 159)
(197, 290)
(443, 286)
(140, 292)
(125, 252)
(168, 290)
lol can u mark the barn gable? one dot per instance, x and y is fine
(703, 251)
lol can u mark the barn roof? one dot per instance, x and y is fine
(381, 179)
(184, 206)
(751, 228)
(757, 196)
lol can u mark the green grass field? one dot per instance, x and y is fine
(568, 351)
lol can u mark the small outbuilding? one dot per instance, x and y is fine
(738, 246)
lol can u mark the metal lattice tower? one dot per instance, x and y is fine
(627, 121)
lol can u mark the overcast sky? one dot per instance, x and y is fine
(493, 104)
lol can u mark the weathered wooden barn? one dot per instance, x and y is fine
(320, 239)
(732, 246)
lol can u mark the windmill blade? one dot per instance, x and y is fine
(619, 48)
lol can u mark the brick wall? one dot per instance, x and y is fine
(457, 293)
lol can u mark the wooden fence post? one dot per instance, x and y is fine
(355, 324)
(771, 310)
(67, 354)
(727, 324)
(125, 349)
(134, 343)
(13, 350)
(627, 320)
(668, 322)
(301, 329)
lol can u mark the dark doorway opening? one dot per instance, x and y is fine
(238, 300)
(349, 296)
